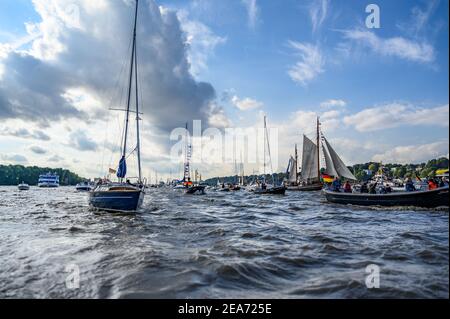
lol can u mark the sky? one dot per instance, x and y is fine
(381, 91)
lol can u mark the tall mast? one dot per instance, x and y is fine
(296, 163)
(138, 148)
(318, 148)
(127, 120)
(265, 126)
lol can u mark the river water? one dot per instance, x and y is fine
(220, 245)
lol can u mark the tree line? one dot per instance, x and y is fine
(15, 174)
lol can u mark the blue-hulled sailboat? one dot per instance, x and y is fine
(123, 196)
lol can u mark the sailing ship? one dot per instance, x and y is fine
(124, 196)
(262, 187)
(310, 178)
(189, 187)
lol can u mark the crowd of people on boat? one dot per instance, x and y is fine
(385, 188)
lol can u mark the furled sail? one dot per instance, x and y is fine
(122, 171)
(335, 166)
(292, 170)
(309, 160)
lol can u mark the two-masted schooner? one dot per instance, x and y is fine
(124, 196)
(310, 177)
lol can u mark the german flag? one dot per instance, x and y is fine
(327, 178)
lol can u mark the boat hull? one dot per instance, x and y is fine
(271, 191)
(196, 190)
(116, 201)
(24, 188)
(48, 185)
(428, 199)
(306, 188)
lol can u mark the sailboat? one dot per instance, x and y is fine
(189, 187)
(309, 178)
(263, 188)
(124, 196)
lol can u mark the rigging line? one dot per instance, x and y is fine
(268, 150)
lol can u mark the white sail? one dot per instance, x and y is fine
(335, 166)
(292, 178)
(309, 160)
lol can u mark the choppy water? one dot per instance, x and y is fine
(218, 246)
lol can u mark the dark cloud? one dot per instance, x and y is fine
(25, 133)
(38, 150)
(33, 88)
(82, 142)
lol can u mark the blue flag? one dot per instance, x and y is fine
(122, 172)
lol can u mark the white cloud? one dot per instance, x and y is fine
(309, 66)
(318, 13)
(397, 114)
(333, 103)
(396, 47)
(246, 103)
(13, 158)
(413, 153)
(252, 12)
(202, 42)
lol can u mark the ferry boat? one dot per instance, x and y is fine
(48, 180)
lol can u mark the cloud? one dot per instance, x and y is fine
(80, 141)
(397, 114)
(55, 159)
(14, 159)
(38, 150)
(25, 133)
(309, 66)
(420, 18)
(399, 47)
(318, 12)
(252, 12)
(201, 40)
(92, 53)
(333, 103)
(413, 153)
(246, 103)
(218, 117)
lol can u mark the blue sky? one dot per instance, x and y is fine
(383, 92)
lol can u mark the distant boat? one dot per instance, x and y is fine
(124, 196)
(263, 188)
(428, 199)
(48, 180)
(23, 187)
(84, 187)
(189, 187)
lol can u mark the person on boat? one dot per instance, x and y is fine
(347, 187)
(409, 185)
(264, 186)
(364, 188)
(388, 189)
(336, 185)
(442, 182)
(373, 188)
(432, 184)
